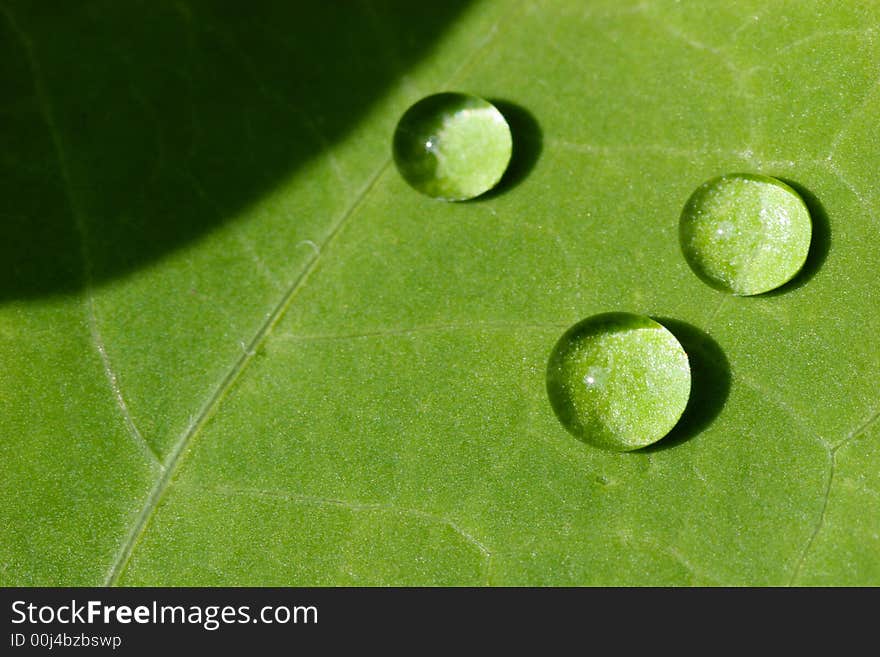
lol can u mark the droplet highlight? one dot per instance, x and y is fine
(745, 233)
(452, 146)
(619, 381)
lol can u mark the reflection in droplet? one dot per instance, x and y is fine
(595, 377)
(452, 146)
(619, 381)
(745, 233)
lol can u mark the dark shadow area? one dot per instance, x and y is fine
(528, 142)
(129, 130)
(710, 383)
(820, 241)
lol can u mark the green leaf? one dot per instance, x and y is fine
(239, 349)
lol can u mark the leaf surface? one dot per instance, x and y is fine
(239, 350)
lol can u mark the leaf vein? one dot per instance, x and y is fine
(677, 33)
(831, 166)
(676, 554)
(260, 265)
(42, 97)
(783, 406)
(851, 117)
(225, 385)
(819, 523)
(298, 498)
(867, 31)
(174, 459)
(602, 149)
(427, 328)
(859, 431)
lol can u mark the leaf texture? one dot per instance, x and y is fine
(239, 350)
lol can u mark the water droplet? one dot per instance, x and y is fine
(452, 146)
(595, 378)
(619, 381)
(745, 233)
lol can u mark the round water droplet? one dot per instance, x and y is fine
(452, 146)
(619, 381)
(745, 233)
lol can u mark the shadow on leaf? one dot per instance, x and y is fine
(130, 132)
(710, 383)
(528, 142)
